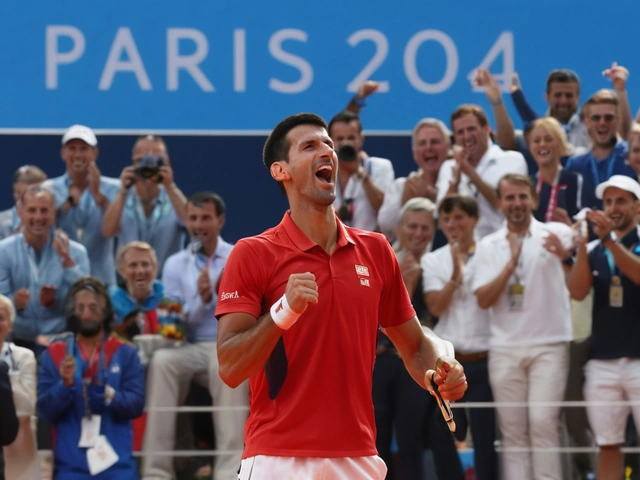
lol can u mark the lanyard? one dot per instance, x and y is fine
(9, 353)
(594, 168)
(87, 378)
(146, 224)
(553, 196)
(356, 183)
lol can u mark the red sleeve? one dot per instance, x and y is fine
(395, 304)
(243, 282)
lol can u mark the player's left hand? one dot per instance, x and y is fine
(450, 378)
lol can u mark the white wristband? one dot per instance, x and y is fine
(282, 314)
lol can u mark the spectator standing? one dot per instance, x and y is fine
(90, 388)
(37, 268)
(154, 209)
(447, 276)
(21, 456)
(611, 266)
(362, 179)
(82, 197)
(431, 142)
(477, 166)
(191, 276)
(24, 177)
(519, 276)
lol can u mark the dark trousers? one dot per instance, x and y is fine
(483, 420)
(399, 401)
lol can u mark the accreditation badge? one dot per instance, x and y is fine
(615, 292)
(516, 296)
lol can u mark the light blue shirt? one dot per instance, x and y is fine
(9, 221)
(83, 224)
(161, 229)
(180, 280)
(20, 268)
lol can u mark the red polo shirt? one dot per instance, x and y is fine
(324, 408)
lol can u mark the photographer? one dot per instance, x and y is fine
(363, 179)
(153, 210)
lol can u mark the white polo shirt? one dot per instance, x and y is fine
(545, 316)
(464, 323)
(493, 165)
(364, 216)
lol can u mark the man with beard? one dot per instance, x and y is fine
(611, 266)
(477, 166)
(519, 277)
(149, 206)
(192, 277)
(90, 388)
(431, 141)
(608, 156)
(82, 197)
(37, 268)
(300, 306)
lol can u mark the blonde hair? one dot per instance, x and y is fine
(553, 127)
(8, 304)
(135, 245)
(605, 96)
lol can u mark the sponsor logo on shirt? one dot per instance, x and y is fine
(364, 282)
(362, 270)
(229, 295)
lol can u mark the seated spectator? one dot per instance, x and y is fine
(559, 190)
(191, 276)
(136, 305)
(82, 196)
(153, 210)
(361, 181)
(477, 166)
(431, 141)
(447, 275)
(611, 265)
(21, 456)
(24, 177)
(400, 404)
(37, 267)
(519, 277)
(608, 155)
(634, 149)
(90, 388)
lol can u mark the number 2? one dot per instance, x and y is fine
(382, 50)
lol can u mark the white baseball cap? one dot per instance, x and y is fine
(622, 182)
(82, 133)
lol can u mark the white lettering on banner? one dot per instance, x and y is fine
(240, 60)
(55, 57)
(124, 42)
(410, 63)
(177, 62)
(229, 295)
(382, 50)
(504, 45)
(275, 49)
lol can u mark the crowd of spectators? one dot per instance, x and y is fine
(518, 246)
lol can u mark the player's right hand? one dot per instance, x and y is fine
(21, 298)
(301, 290)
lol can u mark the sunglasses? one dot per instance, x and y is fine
(609, 117)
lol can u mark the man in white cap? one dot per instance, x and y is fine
(611, 265)
(82, 196)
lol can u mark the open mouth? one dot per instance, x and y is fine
(324, 173)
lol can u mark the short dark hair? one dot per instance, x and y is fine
(198, 199)
(562, 75)
(467, 204)
(94, 285)
(276, 147)
(345, 117)
(469, 109)
(518, 179)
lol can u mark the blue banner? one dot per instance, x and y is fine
(242, 65)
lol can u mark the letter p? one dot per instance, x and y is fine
(54, 57)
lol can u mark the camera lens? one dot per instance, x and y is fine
(346, 153)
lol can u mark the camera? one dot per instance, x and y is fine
(148, 167)
(347, 153)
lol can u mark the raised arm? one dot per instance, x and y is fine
(618, 76)
(113, 214)
(505, 132)
(527, 114)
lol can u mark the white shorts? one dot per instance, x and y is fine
(263, 467)
(612, 381)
